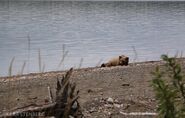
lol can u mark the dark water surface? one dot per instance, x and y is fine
(93, 31)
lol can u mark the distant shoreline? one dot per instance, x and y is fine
(86, 69)
(93, 0)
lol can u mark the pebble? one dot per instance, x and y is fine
(121, 105)
(71, 116)
(89, 90)
(117, 105)
(116, 101)
(108, 105)
(75, 105)
(96, 99)
(92, 110)
(109, 113)
(110, 100)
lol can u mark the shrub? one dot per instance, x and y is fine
(169, 87)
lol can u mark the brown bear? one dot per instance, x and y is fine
(121, 60)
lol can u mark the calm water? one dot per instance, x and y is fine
(93, 31)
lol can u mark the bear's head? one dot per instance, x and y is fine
(123, 60)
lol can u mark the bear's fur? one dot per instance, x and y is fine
(120, 60)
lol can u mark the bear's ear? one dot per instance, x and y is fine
(103, 65)
(120, 57)
(127, 58)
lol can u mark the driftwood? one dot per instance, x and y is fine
(64, 105)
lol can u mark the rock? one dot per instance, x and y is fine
(89, 90)
(103, 100)
(96, 99)
(108, 105)
(92, 110)
(125, 84)
(109, 113)
(116, 101)
(87, 115)
(121, 105)
(110, 100)
(71, 116)
(117, 105)
(100, 108)
(75, 105)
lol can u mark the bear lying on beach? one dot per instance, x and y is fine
(120, 60)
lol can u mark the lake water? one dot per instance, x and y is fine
(92, 32)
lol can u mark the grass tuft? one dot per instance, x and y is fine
(64, 54)
(22, 69)
(169, 88)
(81, 62)
(39, 61)
(29, 45)
(99, 62)
(11, 67)
(135, 54)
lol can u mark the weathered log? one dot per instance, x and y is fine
(64, 105)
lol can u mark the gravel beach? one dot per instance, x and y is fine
(110, 92)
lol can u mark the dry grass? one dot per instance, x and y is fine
(99, 62)
(11, 67)
(64, 54)
(81, 62)
(22, 68)
(29, 47)
(135, 54)
(39, 60)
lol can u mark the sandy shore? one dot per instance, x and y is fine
(104, 92)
